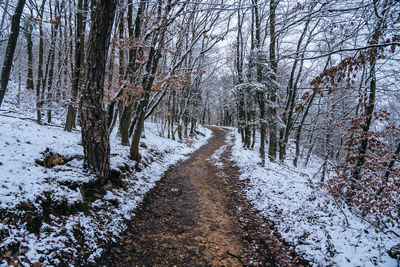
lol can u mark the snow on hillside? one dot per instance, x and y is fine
(27, 189)
(307, 216)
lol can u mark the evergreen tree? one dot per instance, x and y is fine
(259, 88)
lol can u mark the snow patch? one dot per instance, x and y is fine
(308, 216)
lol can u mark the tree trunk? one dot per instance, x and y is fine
(114, 121)
(3, 18)
(19, 84)
(67, 51)
(239, 69)
(173, 114)
(372, 93)
(169, 117)
(95, 136)
(147, 83)
(79, 57)
(125, 122)
(292, 89)
(113, 112)
(260, 95)
(29, 44)
(247, 133)
(391, 163)
(179, 129)
(11, 44)
(40, 73)
(253, 143)
(51, 71)
(134, 34)
(112, 115)
(192, 127)
(300, 128)
(274, 66)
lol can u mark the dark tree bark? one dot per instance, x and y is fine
(169, 117)
(29, 44)
(274, 66)
(173, 114)
(95, 137)
(260, 95)
(51, 75)
(239, 68)
(391, 163)
(79, 56)
(12, 43)
(133, 66)
(110, 70)
(60, 62)
(39, 100)
(128, 107)
(54, 32)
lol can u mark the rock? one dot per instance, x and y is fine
(394, 252)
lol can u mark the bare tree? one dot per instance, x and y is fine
(11, 44)
(79, 57)
(95, 136)
(273, 142)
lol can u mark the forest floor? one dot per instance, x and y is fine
(198, 215)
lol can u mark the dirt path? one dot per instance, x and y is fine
(197, 216)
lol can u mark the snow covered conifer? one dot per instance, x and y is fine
(259, 88)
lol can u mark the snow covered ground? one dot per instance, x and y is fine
(307, 216)
(26, 187)
(303, 211)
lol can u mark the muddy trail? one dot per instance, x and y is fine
(197, 216)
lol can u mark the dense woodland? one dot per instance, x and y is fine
(302, 78)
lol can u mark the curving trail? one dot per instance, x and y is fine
(197, 216)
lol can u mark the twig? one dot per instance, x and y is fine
(315, 175)
(340, 208)
(378, 227)
(233, 255)
(345, 216)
